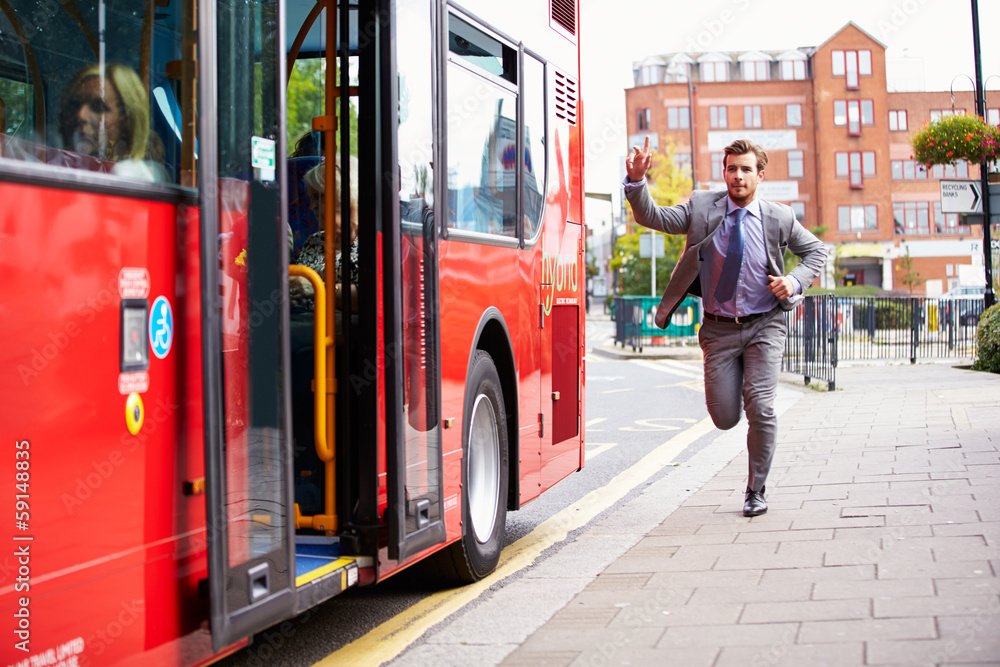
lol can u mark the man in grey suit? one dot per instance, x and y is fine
(734, 260)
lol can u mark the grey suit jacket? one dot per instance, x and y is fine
(700, 218)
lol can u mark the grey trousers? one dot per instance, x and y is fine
(742, 367)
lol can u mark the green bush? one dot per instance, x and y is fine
(988, 341)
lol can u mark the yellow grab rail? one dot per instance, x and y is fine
(322, 385)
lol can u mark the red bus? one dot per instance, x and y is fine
(191, 456)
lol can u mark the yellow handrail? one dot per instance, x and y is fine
(322, 385)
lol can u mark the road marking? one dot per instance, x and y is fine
(595, 448)
(593, 422)
(389, 639)
(651, 425)
(674, 368)
(616, 391)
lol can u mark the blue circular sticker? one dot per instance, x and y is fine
(161, 327)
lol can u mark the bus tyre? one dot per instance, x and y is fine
(484, 473)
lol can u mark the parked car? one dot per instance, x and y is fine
(968, 304)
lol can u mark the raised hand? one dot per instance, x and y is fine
(638, 161)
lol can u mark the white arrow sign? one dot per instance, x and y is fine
(961, 197)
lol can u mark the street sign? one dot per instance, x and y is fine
(646, 245)
(961, 197)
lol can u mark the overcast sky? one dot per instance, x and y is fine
(615, 34)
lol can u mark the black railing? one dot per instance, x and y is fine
(826, 329)
(635, 328)
(811, 346)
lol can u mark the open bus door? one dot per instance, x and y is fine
(409, 61)
(245, 351)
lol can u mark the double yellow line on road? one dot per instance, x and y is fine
(389, 639)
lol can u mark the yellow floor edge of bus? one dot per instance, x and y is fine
(340, 563)
(388, 640)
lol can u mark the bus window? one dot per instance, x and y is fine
(482, 132)
(100, 88)
(533, 87)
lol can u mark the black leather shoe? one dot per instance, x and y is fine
(754, 505)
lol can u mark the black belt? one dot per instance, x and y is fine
(743, 319)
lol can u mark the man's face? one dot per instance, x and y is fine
(742, 177)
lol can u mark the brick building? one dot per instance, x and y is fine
(838, 147)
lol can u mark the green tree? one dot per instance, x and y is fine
(306, 97)
(906, 274)
(668, 185)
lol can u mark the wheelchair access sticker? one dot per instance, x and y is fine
(161, 327)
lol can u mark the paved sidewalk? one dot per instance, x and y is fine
(881, 546)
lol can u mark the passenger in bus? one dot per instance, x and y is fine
(104, 113)
(311, 255)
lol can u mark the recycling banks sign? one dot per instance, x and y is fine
(961, 197)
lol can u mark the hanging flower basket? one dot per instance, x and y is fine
(952, 138)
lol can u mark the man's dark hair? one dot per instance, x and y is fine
(744, 146)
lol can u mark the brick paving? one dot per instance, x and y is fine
(881, 545)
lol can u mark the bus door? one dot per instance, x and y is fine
(409, 246)
(248, 461)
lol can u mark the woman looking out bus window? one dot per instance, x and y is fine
(104, 113)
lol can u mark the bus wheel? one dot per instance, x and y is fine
(484, 474)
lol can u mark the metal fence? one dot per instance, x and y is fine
(635, 326)
(827, 328)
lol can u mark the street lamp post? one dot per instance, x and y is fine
(676, 69)
(983, 167)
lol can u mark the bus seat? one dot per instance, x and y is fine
(300, 215)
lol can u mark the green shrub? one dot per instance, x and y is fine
(988, 341)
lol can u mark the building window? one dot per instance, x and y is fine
(867, 112)
(751, 115)
(912, 217)
(650, 75)
(957, 170)
(677, 118)
(851, 65)
(948, 223)
(839, 112)
(868, 163)
(842, 169)
(643, 117)
(897, 120)
(754, 70)
(717, 71)
(678, 72)
(941, 113)
(799, 209)
(717, 166)
(793, 70)
(993, 116)
(717, 118)
(795, 164)
(857, 218)
(793, 115)
(683, 162)
(853, 118)
(856, 172)
(856, 165)
(908, 170)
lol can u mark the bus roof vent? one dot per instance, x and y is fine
(566, 95)
(563, 12)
